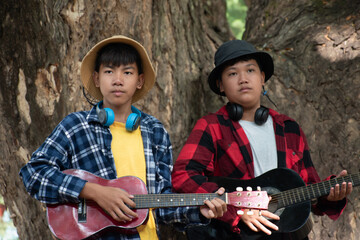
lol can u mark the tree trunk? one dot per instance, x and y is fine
(316, 48)
(42, 44)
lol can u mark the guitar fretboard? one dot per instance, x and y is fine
(174, 200)
(305, 193)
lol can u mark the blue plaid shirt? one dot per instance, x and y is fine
(81, 142)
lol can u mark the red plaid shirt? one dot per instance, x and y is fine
(218, 146)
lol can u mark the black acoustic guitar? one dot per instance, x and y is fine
(291, 198)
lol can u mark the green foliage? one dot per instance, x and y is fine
(236, 16)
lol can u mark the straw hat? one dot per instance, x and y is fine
(235, 49)
(88, 65)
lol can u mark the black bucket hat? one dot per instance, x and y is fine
(236, 49)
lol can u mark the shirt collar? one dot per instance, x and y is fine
(92, 116)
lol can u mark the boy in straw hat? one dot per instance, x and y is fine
(112, 140)
(243, 140)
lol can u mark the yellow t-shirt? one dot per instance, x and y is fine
(128, 151)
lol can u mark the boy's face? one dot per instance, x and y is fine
(242, 83)
(118, 84)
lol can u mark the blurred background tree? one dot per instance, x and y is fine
(236, 15)
(7, 229)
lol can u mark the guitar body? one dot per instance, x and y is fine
(292, 218)
(63, 219)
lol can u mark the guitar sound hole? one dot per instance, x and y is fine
(273, 205)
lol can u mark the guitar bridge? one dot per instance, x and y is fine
(82, 211)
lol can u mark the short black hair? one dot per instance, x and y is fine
(234, 61)
(116, 54)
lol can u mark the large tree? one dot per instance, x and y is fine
(316, 52)
(316, 48)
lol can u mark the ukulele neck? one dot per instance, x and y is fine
(174, 200)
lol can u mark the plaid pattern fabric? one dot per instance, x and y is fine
(218, 146)
(81, 142)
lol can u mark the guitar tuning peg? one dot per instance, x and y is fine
(239, 189)
(249, 189)
(259, 188)
(240, 212)
(250, 213)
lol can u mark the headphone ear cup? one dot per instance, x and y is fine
(102, 116)
(132, 122)
(235, 111)
(261, 115)
(106, 116)
(109, 116)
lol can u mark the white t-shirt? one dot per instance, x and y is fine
(263, 145)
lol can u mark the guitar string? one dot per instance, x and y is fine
(290, 195)
(309, 192)
(168, 200)
(286, 197)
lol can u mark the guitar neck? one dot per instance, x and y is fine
(174, 200)
(303, 194)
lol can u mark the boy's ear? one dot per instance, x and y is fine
(263, 78)
(95, 77)
(220, 85)
(141, 81)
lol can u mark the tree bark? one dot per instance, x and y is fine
(42, 44)
(316, 48)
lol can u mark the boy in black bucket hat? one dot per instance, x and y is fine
(243, 140)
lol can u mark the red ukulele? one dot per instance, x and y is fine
(86, 219)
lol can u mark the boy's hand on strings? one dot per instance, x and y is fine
(338, 192)
(114, 201)
(214, 208)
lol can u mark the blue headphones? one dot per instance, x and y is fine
(106, 117)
